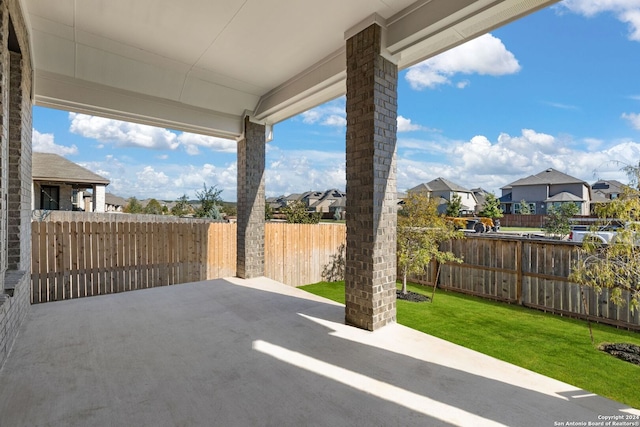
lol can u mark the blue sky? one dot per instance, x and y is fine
(559, 88)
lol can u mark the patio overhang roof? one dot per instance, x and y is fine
(203, 66)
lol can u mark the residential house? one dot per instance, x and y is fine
(329, 201)
(604, 191)
(59, 184)
(544, 190)
(445, 190)
(114, 203)
(607, 189)
(481, 197)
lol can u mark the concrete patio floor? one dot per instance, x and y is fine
(234, 352)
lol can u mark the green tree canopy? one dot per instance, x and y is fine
(133, 206)
(153, 207)
(268, 212)
(297, 213)
(209, 203)
(420, 231)
(454, 206)
(491, 207)
(181, 208)
(525, 209)
(616, 266)
(558, 223)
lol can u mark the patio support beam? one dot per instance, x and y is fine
(251, 201)
(370, 277)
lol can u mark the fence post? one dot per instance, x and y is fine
(519, 272)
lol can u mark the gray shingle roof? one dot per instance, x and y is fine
(52, 167)
(608, 186)
(564, 197)
(419, 188)
(547, 176)
(441, 184)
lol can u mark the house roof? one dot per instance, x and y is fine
(112, 199)
(564, 197)
(599, 197)
(420, 188)
(608, 186)
(441, 184)
(546, 177)
(201, 65)
(55, 168)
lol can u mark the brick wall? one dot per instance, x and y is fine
(16, 98)
(251, 201)
(370, 279)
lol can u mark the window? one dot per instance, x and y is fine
(517, 208)
(50, 197)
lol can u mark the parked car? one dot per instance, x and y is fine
(597, 234)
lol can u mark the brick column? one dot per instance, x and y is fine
(251, 200)
(370, 277)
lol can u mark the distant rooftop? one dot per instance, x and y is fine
(52, 167)
(547, 177)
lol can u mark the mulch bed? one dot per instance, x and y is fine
(626, 352)
(412, 296)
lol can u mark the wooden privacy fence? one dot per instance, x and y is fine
(296, 254)
(73, 259)
(78, 259)
(530, 272)
(105, 254)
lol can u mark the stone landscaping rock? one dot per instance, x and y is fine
(624, 351)
(412, 296)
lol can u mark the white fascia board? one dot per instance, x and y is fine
(320, 83)
(56, 91)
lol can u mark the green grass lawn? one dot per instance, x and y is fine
(533, 230)
(551, 345)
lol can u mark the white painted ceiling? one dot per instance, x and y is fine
(201, 65)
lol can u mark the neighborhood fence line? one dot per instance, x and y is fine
(74, 259)
(78, 259)
(530, 272)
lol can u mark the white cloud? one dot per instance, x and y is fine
(481, 162)
(405, 125)
(633, 118)
(123, 134)
(295, 171)
(331, 114)
(485, 55)
(45, 143)
(627, 11)
(192, 142)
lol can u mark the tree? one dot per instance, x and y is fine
(181, 208)
(210, 203)
(268, 212)
(558, 220)
(230, 209)
(153, 207)
(616, 266)
(421, 230)
(491, 207)
(133, 206)
(454, 206)
(297, 213)
(525, 209)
